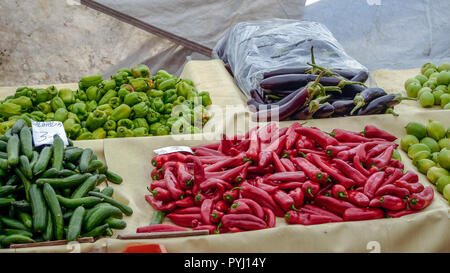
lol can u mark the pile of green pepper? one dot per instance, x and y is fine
(132, 103)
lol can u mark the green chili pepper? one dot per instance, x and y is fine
(128, 123)
(143, 96)
(163, 130)
(168, 108)
(52, 91)
(170, 96)
(106, 108)
(74, 117)
(123, 92)
(157, 104)
(206, 99)
(179, 100)
(107, 84)
(40, 95)
(167, 84)
(139, 110)
(91, 105)
(99, 133)
(182, 89)
(164, 74)
(57, 103)
(132, 99)
(121, 77)
(67, 96)
(127, 87)
(111, 134)
(61, 114)
(191, 83)
(80, 110)
(152, 116)
(172, 121)
(121, 112)
(140, 132)
(192, 93)
(109, 125)
(50, 116)
(81, 95)
(72, 128)
(154, 127)
(37, 116)
(108, 95)
(141, 122)
(24, 102)
(126, 70)
(140, 71)
(85, 136)
(91, 93)
(96, 120)
(114, 102)
(123, 131)
(89, 81)
(44, 107)
(153, 93)
(139, 85)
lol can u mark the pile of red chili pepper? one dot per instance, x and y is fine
(300, 173)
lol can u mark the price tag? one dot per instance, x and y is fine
(173, 149)
(43, 132)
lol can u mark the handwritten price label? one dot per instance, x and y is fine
(43, 132)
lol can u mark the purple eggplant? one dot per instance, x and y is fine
(381, 104)
(284, 71)
(324, 111)
(308, 111)
(342, 107)
(256, 96)
(352, 90)
(362, 76)
(366, 96)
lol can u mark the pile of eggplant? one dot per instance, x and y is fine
(317, 92)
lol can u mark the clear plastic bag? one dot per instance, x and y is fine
(253, 48)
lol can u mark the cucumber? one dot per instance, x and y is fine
(43, 160)
(26, 142)
(18, 126)
(12, 223)
(75, 223)
(50, 173)
(26, 219)
(3, 155)
(39, 208)
(115, 223)
(4, 164)
(87, 202)
(26, 183)
(95, 165)
(7, 190)
(100, 214)
(13, 180)
(108, 232)
(84, 188)
(67, 192)
(108, 191)
(66, 173)
(124, 208)
(9, 231)
(70, 166)
(13, 150)
(72, 154)
(24, 166)
(22, 205)
(58, 152)
(113, 177)
(85, 159)
(101, 179)
(55, 209)
(34, 158)
(6, 201)
(48, 234)
(97, 231)
(16, 239)
(3, 145)
(66, 182)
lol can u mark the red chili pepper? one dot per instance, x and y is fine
(234, 161)
(266, 153)
(185, 178)
(156, 204)
(289, 185)
(185, 202)
(304, 142)
(159, 228)
(253, 150)
(158, 184)
(373, 183)
(291, 135)
(213, 146)
(240, 207)
(269, 217)
(392, 189)
(227, 147)
(303, 152)
(261, 197)
(297, 176)
(173, 185)
(242, 175)
(199, 198)
(392, 202)
(311, 209)
(293, 217)
(230, 175)
(332, 151)
(334, 205)
(266, 132)
(422, 199)
(221, 205)
(357, 165)
(310, 189)
(396, 164)
(279, 167)
(184, 220)
(202, 151)
(199, 173)
(338, 191)
(255, 207)
(399, 213)
(310, 170)
(410, 177)
(347, 155)
(243, 221)
(411, 187)
(393, 175)
(216, 216)
(334, 173)
(270, 189)
(382, 160)
(210, 228)
(319, 137)
(358, 198)
(378, 149)
(375, 202)
(189, 210)
(260, 171)
(212, 159)
(235, 229)
(159, 160)
(230, 195)
(358, 214)
(371, 131)
(156, 174)
(285, 201)
(288, 165)
(298, 197)
(243, 145)
(350, 172)
(211, 184)
(161, 194)
(348, 136)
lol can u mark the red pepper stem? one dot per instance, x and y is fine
(309, 190)
(342, 194)
(294, 208)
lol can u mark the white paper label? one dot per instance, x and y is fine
(43, 132)
(173, 149)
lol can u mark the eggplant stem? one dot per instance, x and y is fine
(391, 111)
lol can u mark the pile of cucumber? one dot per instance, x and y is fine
(52, 192)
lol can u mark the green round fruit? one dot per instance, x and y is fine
(412, 80)
(430, 71)
(434, 173)
(407, 141)
(447, 106)
(442, 182)
(424, 89)
(444, 143)
(445, 99)
(435, 129)
(431, 143)
(416, 129)
(437, 96)
(412, 89)
(435, 157)
(426, 99)
(421, 155)
(426, 66)
(443, 78)
(396, 155)
(446, 193)
(434, 76)
(421, 78)
(444, 158)
(424, 165)
(415, 148)
(441, 87)
(431, 83)
(443, 67)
